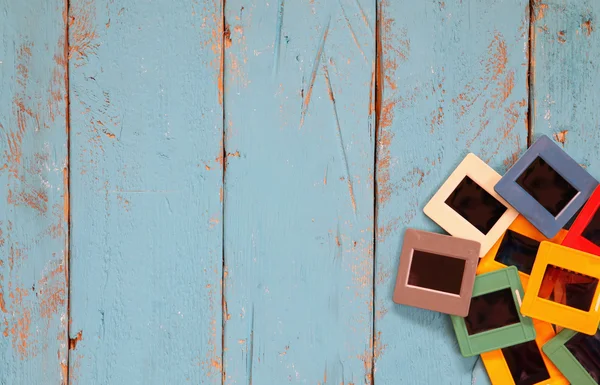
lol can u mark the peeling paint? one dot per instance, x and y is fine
(514, 156)
(393, 48)
(587, 27)
(539, 10)
(82, 32)
(74, 341)
(384, 159)
(52, 292)
(561, 137)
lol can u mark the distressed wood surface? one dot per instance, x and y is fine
(453, 80)
(241, 178)
(566, 64)
(299, 191)
(146, 178)
(33, 193)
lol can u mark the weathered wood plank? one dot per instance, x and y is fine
(453, 80)
(146, 172)
(566, 62)
(33, 193)
(299, 191)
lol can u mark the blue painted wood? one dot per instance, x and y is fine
(299, 191)
(453, 80)
(566, 62)
(146, 177)
(33, 193)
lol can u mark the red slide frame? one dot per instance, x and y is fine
(574, 239)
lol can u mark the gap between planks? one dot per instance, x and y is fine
(378, 91)
(67, 200)
(530, 71)
(224, 28)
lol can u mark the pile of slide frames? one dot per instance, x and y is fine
(518, 273)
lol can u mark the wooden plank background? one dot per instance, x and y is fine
(241, 174)
(453, 81)
(34, 208)
(299, 148)
(146, 178)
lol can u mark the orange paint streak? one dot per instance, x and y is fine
(124, 203)
(214, 39)
(370, 356)
(23, 114)
(37, 199)
(57, 100)
(313, 77)
(561, 137)
(238, 57)
(512, 159)
(2, 301)
(52, 292)
(227, 37)
(362, 268)
(490, 92)
(539, 10)
(64, 370)
(499, 58)
(82, 32)
(588, 28)
(495, 67)
(66, 204)
(418, 174)
(367, 359)
(21, 315)
(31, 98)
(221, 79)
(73, 341)
(379, 348)
(384, 157)
(507, 85)
(437, 119)
(393, 48)
(381, 310)
(384, 231)
(15, 254)
(74, 368)
(512, 116)
(212, 363)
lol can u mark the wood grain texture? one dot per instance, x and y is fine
(453, 80)
(271, 117)
(566, 63)
(146, 178)
(299, 191)
(33, 193)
